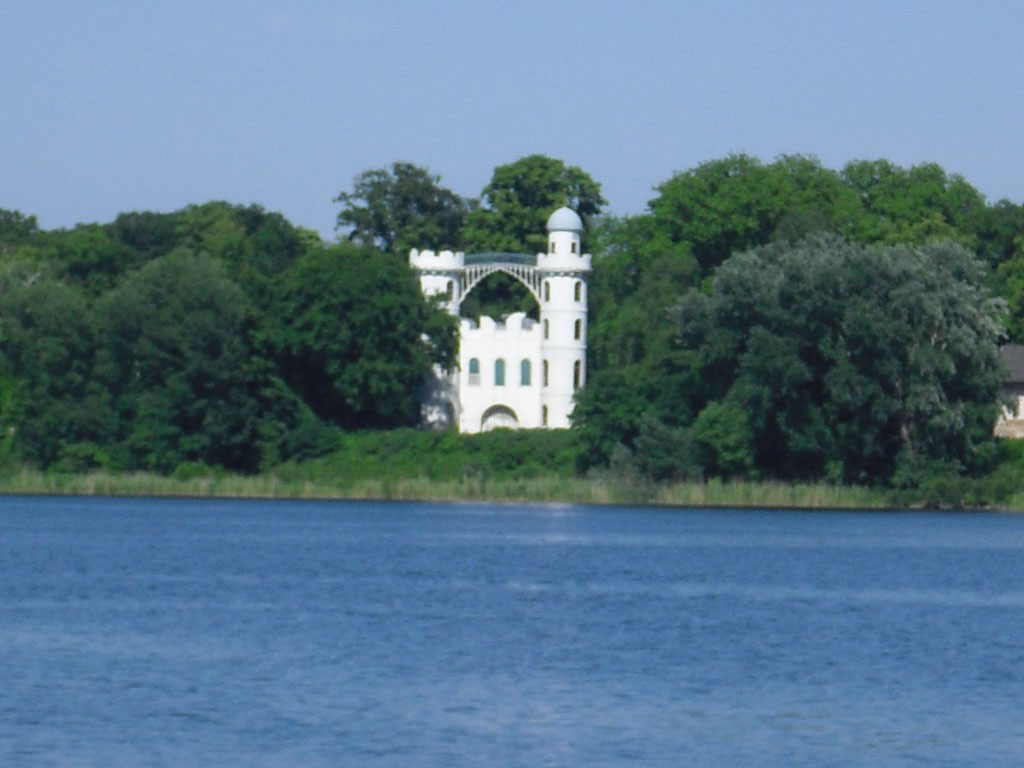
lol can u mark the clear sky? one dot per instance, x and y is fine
(143, 105)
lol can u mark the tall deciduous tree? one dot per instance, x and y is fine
(254, 245)
(520, 197)
(400, 208)
(354, 336)
(918, 204)
(1009, 279)
(857, 363)
(49, 400)
(175, 355)
(148, 233)
(15, 228)
(737, 202)
(91, 258)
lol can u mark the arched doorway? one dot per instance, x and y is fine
(499, 417)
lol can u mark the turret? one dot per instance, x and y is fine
(565, 245)
(563, 269)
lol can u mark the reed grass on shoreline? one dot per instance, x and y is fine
(600, 490)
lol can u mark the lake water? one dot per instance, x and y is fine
(155, 632)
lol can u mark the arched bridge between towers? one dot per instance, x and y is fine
(478, 266)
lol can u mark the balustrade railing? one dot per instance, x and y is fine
(501, 257)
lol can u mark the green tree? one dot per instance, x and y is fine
(637, 371)
(638, 275)
(519, 199)
(665, 453)
(1009, 279)
(608, 414)
(49, 400)
(852, 362)
(176, 358)
(918, 204)
(254, 245)
(354, 336)
(996, 229)
(15, 228)
(89, 257)
(147, 233)
(400, 208)
(737, 202)
(723, 440)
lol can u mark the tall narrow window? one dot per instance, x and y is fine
(474, 371)
(547, 291)
(499, 372)
(546, 329)
(544, 368)
(524, 373)
(577, 291)
(577, 369)
(543, 415)
(577, 329)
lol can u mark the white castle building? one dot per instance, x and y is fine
(515, 372)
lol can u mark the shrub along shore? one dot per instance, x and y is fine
(526, 465)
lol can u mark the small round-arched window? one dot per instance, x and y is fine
(524, 373)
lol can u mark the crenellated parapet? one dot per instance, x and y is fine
(441, 261)
(564, 263)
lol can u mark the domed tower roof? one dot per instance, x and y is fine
(565, 220)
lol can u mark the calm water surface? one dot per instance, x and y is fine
(150, 632)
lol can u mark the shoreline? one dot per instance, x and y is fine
(598, 491)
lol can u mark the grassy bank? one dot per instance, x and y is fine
(529, 465)
(536, 489)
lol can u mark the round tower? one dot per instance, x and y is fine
(563, 269)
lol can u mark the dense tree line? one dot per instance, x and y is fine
(821, 359)
(766, 320)
(218, 334)
(787, 320)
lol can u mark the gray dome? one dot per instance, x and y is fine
(565, 220)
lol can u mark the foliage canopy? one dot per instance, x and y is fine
(774, 320)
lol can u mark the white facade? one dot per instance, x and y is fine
(517, 372)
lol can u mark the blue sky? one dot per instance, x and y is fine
(136, 105)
